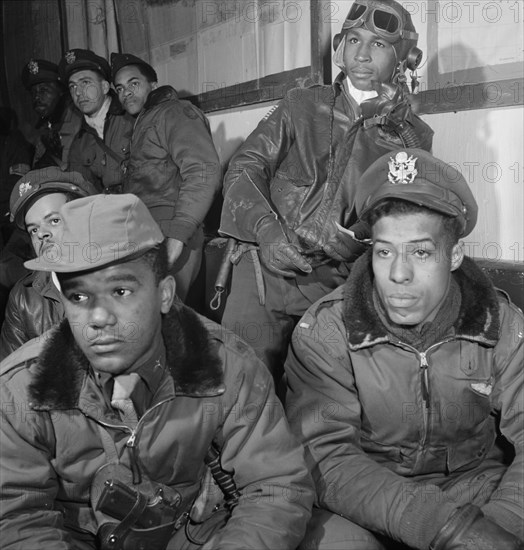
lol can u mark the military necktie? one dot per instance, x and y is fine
(124, 385)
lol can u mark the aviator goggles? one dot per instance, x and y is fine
(383, 21)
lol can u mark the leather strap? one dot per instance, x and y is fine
(121, 530)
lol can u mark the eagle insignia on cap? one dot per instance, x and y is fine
(24, 188)
(33, 67)
(70, 57)
(402, 168)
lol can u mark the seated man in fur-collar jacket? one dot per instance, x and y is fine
(400, 381)
(136, 423)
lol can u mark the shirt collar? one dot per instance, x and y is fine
(359, 95)
(97, 121)
(150, 368)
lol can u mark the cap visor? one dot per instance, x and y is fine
(415, 194)
(75, 260)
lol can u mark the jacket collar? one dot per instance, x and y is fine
(349, 105)
(160, 95)
(44, 285)
(478, 319)
(191, 357)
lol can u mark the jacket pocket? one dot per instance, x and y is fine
(89, 159)
(465, 455)
(381, 453)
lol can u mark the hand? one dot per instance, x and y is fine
(276, 252)
(174, 249)
(469, 529)
(344, 246)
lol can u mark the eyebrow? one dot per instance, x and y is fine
(127, 81)
(50, 215)
(123, 279)
(415, 241)
(83, 79)
(69, 284)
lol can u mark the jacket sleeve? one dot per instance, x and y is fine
(276, 491)
(28, 484)
(324, 411)
(13, 334)
(190, 145)
(247, 196)
(506, 505)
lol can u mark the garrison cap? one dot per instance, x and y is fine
(79, 60)
(99, 231)
(120, 60)
(416, 176)
(43, 181)
(36, 71)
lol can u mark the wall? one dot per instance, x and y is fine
(486, 144)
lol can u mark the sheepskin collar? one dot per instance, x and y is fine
(191, 356)
(160, 95)
(478, 319)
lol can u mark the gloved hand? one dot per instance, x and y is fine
(276, 252)
(469, 529)
(344, 245)
(390, 109)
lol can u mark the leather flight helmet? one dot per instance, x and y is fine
(389, 20)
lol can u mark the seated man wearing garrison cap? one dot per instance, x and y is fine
(405, 384)
(173, 165)
(101, 147)
(137, 423)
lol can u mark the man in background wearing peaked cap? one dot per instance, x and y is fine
(34, 305)
(141, 424)
(58, 120)
(405, 384)
(175, 170)
(101, 148)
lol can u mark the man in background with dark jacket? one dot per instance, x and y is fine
(101, 148)
(58, 119)
(405, 385)
(173, 165)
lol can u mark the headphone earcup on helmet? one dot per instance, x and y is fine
(336, 41)
(413, 58)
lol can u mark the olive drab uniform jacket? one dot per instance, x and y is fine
(209, 388)
(410, 433)
(103, 162)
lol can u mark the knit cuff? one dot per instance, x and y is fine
(506, 518)
(423, 518)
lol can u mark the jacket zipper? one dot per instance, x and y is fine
(424, 381)
(131, 442)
